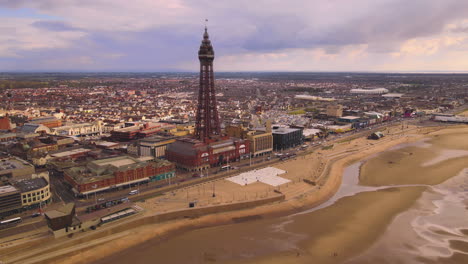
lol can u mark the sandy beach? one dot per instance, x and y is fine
(395, 205)
(332, 234)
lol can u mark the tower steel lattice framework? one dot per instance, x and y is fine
(207, 124)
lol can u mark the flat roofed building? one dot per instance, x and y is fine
(393, 95)
(70, 154)
(451, 119)
(349, 119)
(48, 121)
(261, 143)
(60, 218)
(369, 91)
(34, 191)
(285, 138)
(15, 168)
(334, 110)
(261, 139)
(104, 174)
(10, 198)
(194, 155)
(153, 146)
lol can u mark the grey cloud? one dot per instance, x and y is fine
(54, 25)
(460, 30)
(255, 26)
(383, 29)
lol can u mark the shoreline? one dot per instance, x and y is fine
(332, 176)
(329, 181)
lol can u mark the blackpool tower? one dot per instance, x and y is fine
(207, 124)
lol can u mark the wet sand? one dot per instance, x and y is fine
(464, 113)
(345, 229)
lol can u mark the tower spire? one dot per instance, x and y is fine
(207, 112)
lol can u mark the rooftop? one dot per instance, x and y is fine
(12, 164)
(62, 211)
(350, 117)
(105, 168)
(8, 135)
(70, 152)
(7, 189)
(31, 184)
(284, 130)
(117, 162)
(155, 139)
(45, 118)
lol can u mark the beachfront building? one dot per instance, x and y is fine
(286, 137)
(450, 118)
(33, 191)
(10, 199)
(64, 221)
(261, 142)
(111, 173)
(194, 155)
(24, 194)
(208, 147)
(261, 139)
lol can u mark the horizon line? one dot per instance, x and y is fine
(259, 71)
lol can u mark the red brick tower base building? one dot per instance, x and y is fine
(208, 147)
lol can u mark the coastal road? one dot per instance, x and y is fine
(22, 228)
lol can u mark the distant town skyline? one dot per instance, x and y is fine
(163, 35)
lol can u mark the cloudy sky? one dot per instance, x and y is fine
(248, 35)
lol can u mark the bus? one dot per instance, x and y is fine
(10, 222)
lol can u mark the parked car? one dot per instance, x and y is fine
(36, 214)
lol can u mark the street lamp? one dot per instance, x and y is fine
(95, 193)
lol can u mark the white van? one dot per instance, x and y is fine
(133, 192)
(225, 167)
